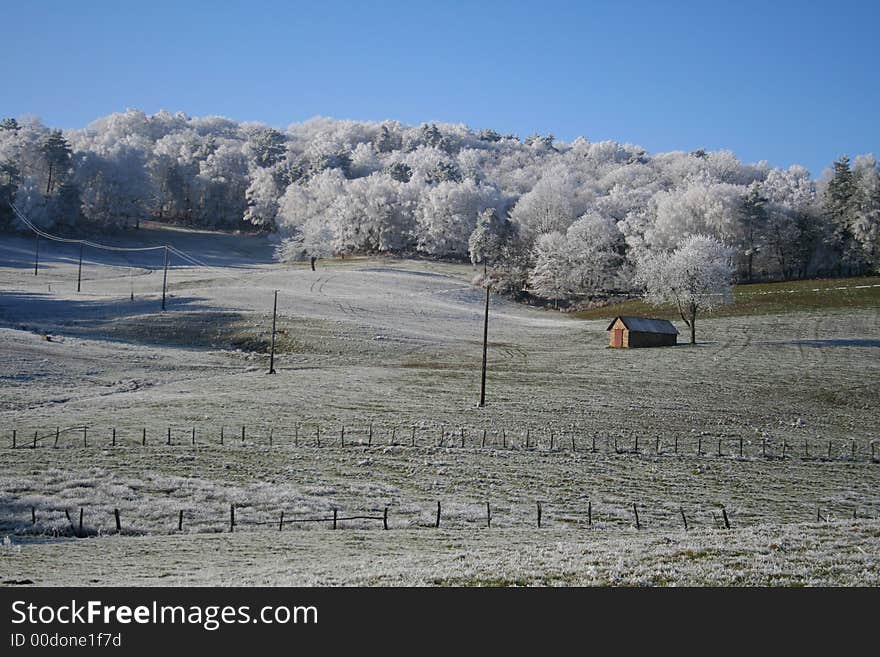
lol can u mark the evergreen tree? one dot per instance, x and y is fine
(10, 177)
(399, 171)
(753, 215)
(56, 151)
(841, 207)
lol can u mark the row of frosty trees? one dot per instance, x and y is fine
(557, 221)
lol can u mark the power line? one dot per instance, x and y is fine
(94, 245)
(192, 260)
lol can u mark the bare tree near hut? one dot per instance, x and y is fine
(697, 276)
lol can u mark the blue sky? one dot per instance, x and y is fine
(789, 82)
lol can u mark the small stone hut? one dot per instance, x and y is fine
(629, 332)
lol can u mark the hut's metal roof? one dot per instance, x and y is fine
(645, 325)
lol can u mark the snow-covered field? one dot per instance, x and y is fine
(396, 344)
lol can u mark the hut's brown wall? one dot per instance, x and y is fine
(634, 339)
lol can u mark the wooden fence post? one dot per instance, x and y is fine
(80, 532)
(13, 438)
(118, 523)
(113, 441)
(57, 435)
(763, 447)
(232, 517)
(806, 449)
(853, 449)
(168, 441)
(528, 435)
(370, 436)
(242, 434)
(504, 438)
(593, 446)
(590, 513)
(33, 516)
(719, 448)
(740, 446)
(539, 515)
(342, 436)
(462, 436)
(85, 436)
(34, 446)
(572, 443)
(683, 517)
(193, 436)
(335, 512)
(180, 521)
(318, 434)
(488, 515)
(221, 434)
(700, 446)
(281, 522)
(637, 444)
(783, 448)
(657, 445)
(144, 437)
(437, 522)
(394, 435)
(636, 514)
(676, 444)
(385, 518)
(551, 439)
(296, 435)
(483, 442)
(271, 433)
(724, 515)
(413, 436)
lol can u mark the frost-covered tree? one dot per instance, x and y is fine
(488, 242)
(866, 221)
(596, 255)
(695, 277)
(753, 226)
(265, 146)
(552, 205)
(841, 205)
(447, 215)
(551, 277)
(261, 198)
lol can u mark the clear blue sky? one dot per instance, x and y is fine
(789, 82)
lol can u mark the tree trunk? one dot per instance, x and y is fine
(693, 323)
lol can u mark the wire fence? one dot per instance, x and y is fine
(550, 440)
(104, 519)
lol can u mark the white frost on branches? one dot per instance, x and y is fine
(695, 277)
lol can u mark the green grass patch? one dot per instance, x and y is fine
(766, 299)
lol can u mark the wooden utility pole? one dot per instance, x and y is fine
(485, 340)
(164, 277)
(79, 273)
(272, 352)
